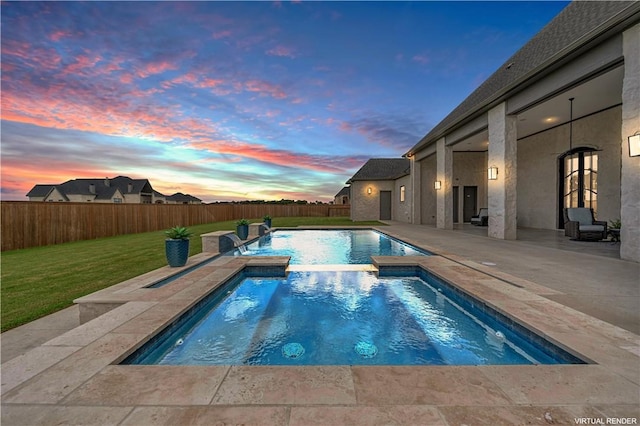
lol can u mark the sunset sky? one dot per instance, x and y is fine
(238, 100)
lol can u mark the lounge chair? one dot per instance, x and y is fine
(580, 224)
(482, 218)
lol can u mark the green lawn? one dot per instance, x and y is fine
(39, 281)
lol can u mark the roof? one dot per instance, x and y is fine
(382, 169)
(344, 191)
(573, 29)
(103, 188)
(179, 197)
(40, 190)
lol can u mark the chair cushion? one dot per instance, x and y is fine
(591, 228)
(581, 215)
(483, 213)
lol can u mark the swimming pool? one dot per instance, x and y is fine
(343, 318)
(325, 247)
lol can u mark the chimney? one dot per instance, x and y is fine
(92, 188)
(106, 182)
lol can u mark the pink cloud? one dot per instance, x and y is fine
(59, 34)
(210, 82)
(320, 163)
(282, 51)
(126, 78)
(265, 88)
(46, 59)
(272, 113)
(156, 68)
(81, 64)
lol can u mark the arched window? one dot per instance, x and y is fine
(578, 171)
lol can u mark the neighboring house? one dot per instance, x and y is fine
(180, 198)
(379, 190)
(158, 198)
(342, 197)
(551, 128)
(121, 189)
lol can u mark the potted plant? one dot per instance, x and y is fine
(177, 245)
(242, 229)
(267, 220)
(614, 229)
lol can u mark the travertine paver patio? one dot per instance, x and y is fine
(75, 378)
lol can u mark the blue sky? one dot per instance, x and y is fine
(238, 100)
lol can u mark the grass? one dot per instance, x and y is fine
(39, 281)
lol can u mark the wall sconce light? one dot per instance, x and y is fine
(634, 145)
(493, 173)
(369, 190)
(437, 184)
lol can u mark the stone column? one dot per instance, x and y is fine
(630, 166)
(502, 191)
(444, 196)
(416, 201)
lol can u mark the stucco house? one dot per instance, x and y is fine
(121, 189)
(553, 127)
(343, 196)
(378, 190)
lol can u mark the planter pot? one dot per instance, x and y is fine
(268, 223)
(242, 231)
(177, 252)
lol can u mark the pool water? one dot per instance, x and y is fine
(341, 318)
(326, 247)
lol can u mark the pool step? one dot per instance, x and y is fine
(362, 268)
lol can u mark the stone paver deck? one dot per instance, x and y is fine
(75, 378)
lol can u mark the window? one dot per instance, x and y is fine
(402, 193)
(117, 200)
(579, 179)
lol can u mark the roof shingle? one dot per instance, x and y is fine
(382, 169)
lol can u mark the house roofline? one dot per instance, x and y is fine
(623, 19)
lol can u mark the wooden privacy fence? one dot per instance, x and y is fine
(33, 224)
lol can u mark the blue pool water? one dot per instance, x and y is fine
(325, 247)
(342, 318)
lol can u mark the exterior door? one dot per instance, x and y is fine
(578, 178)
(385, 205)
(456, 191)
(470, 202)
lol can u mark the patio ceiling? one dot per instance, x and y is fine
(597, 94)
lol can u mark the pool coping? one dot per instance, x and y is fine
(78, 369)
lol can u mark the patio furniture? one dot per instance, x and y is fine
(482, 218)
(580, 224)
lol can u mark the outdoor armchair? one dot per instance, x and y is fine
(580, 224)
(482, 218)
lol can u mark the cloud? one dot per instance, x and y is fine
(221, 34)
(82, 63)
(421, 58)
(285, 158)
(265, 88)
(155, 68)
(281, 51)
(399, 133)
(58, 35)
